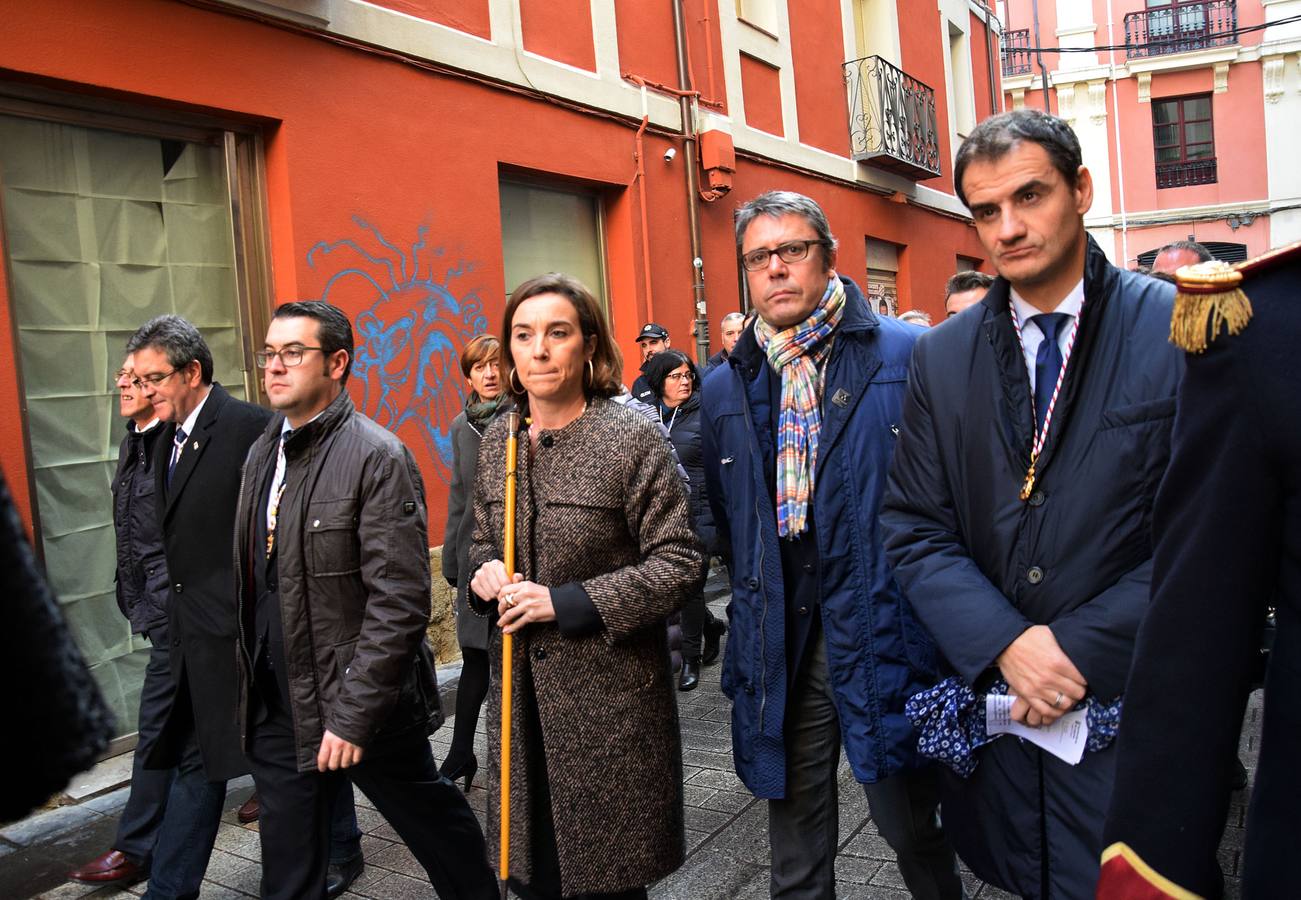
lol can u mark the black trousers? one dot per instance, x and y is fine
(428, 812)
(137, 830)
(696, 616)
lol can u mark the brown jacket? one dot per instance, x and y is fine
(353, 569)
(601, 512)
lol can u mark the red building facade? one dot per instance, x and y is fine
(411, 161)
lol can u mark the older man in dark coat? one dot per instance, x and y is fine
(197, 465)
(1228, 521)
(1035, 433)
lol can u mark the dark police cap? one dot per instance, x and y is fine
(652, 332)
(1214, 297)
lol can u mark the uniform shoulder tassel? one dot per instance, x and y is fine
(1209, 299)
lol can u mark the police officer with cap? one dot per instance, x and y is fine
(1227, 522)
(651, 339)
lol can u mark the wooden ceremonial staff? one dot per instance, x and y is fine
(507, 648)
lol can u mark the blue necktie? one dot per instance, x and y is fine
(1047, 362)
(178, 444)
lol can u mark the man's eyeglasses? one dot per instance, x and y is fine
(152, 380)
(290, 356)
(789, 252)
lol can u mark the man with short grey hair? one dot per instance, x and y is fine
(729, 331)
(825, 650)
(197, 466)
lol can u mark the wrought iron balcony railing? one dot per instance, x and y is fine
(1183, 174)
(1181, 27)
(892, 119)
(1016, 52)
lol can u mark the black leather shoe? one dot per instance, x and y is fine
(714, 631)
(690, 678)
(340, 876)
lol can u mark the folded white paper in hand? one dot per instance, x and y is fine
(1064, 738)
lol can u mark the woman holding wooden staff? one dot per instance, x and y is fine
(604, 552)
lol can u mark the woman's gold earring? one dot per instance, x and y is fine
(512, 379)
(591, 374)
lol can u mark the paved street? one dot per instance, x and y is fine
(726, 832)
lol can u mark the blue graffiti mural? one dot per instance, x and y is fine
(409, 333)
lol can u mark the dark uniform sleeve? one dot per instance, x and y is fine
(1217, 520)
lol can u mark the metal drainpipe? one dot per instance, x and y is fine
(689, 159)
(1039, 55)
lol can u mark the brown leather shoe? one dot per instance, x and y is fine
(251, 809)
(112, 867)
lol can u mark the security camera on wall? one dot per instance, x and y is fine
(670, 153)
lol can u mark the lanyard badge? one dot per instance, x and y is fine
(1041, 432)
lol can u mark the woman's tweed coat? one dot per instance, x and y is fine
(599, 503)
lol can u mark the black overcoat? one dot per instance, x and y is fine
(198, 522)
(980, 566)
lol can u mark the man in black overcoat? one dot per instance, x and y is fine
(197, 465)
(1018, 514)
(1228, 527)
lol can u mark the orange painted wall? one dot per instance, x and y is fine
(647, 46)
(923, 52)
(13, 453)
(705, 51)
(761, 88)
(470, 16)
(819, 78)
(392, 214)
(559, 30)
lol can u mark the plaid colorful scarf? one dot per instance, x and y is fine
(798, 353)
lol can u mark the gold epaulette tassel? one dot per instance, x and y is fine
(1209, 299)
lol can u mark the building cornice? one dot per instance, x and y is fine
(1152, 217)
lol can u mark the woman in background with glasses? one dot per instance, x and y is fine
(676, 383)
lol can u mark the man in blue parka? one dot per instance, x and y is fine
(798, 428)
(1019, 512)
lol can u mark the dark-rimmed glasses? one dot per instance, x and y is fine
(290, 356)
(789, 252)
(152, 380)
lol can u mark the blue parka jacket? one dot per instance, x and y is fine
(877, 652)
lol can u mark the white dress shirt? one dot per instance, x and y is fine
(1032, 337)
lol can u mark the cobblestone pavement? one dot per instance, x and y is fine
(726, 832)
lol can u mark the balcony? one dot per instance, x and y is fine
(1186, 173)
(1181, 27)
(1016, 52)
(892, 119)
